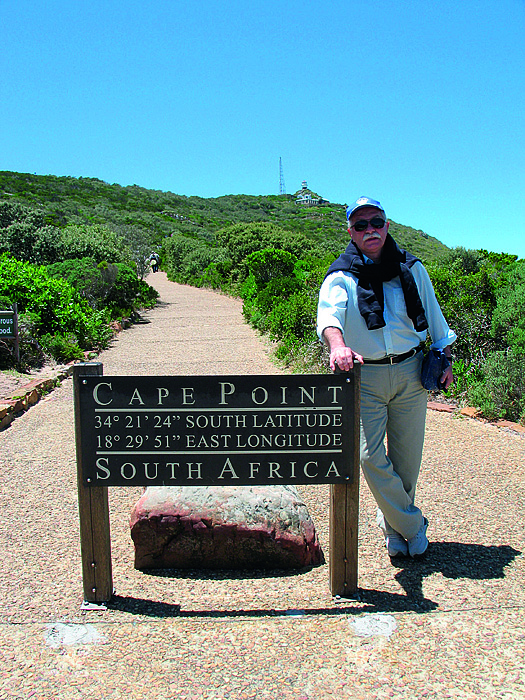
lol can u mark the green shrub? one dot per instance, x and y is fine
(280, 298)
(114, 288)
(196, 262)
(508, 321)
(25, 235)
(218, 275)
(241, 240)
(141, 244)
(97, 241)
(55, 306)
(63, 347)
(93, 281)
(482, 295)
(128, 293)
(276, 292)
(468, 302)
(175, 250)
(270, 264)
(293, 316)
(189, 260)
(466, 375)
(35, 245)
(501, 393)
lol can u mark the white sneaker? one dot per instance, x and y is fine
(396, 545)
(418, 544)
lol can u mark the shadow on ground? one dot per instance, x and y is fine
(451, 559)
(150, 608)
(225, 574)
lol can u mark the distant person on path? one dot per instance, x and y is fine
(154, 262)
(375, 306)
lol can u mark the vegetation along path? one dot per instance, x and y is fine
(449, 626)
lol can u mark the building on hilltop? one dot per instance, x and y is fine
(307, 198)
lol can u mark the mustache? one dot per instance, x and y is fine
(368, 236)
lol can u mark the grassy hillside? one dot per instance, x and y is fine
(96, 239)
(68, 200)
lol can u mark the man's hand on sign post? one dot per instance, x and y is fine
(344, 358)
(340, 354)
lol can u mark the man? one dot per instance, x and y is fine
(375, 306)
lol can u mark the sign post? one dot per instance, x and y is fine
(93, 507)
(216, 431)
(344, 515)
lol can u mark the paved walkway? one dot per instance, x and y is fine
(451, 626)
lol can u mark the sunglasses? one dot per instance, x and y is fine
(362, 224)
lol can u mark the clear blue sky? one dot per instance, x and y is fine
(418, 103)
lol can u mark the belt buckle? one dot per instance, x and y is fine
(391, 359)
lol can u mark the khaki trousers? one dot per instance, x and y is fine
(393, 403)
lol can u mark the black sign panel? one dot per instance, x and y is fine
(7, 324)
(203, 431)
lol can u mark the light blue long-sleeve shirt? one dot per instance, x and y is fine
(338, 308)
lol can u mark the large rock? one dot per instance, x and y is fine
(238, 527)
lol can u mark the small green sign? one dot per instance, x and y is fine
(7, 324)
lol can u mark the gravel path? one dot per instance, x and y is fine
(451, 626)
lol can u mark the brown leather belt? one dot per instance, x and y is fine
(393, 359)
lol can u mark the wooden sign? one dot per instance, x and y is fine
(202, 431)
(223, 431)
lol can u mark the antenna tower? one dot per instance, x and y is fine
(282, 186)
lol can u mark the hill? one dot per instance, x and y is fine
(96, 240)
(69, 200)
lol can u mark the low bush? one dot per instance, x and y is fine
(280, 299)
(97, 241)
(114, 288)
(501, 391)
(508, 321)
(92, 281)
(63, 347)
(270, 264)
(241, 240)
(218, 275)
(189, 260)
(26, 236)
(128, 292)
(52, 306)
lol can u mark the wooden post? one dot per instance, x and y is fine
(344, 513)
(17, 338)
(93, 507)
